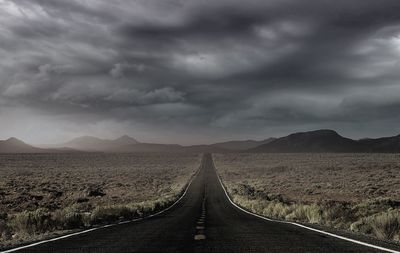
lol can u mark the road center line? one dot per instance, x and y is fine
(201, 221)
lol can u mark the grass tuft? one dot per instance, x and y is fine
(32, 222)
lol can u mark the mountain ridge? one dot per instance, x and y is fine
(13, 145)
(91, 143)
(241, 145)
(317, 141)
(128, 144)
(326, 140)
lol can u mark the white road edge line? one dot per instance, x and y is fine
(108, 225)
(303, 226)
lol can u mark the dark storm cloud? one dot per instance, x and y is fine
(196, 70)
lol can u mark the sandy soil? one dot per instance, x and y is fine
(315, 177)
(55, 181)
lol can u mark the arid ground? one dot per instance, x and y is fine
(359, 192)
(42, 193)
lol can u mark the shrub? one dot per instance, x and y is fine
(73, 220)
(362, 226)
(106, 214)
(32, 222)
(386, 225)
(277, 210)
(337, 214)
(68, 218)
(374, 206)
(306, 213)
(256, 206)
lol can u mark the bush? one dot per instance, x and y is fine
(32, 222)
(374, 206)
(337, 214)
(107, 214)
(362, 226)
(277, 210)
(147, 207)
(306, 213)
(386, 225)
(68, 218)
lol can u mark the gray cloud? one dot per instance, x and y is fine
(195, 71)
(119, 69)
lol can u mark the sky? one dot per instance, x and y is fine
(198, 71)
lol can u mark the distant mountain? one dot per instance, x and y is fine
(318, 141)
(90, 143)
(127, 144)
(125, 140)
(382, 145)
(241, 145)
(13, 145)
(313, 141)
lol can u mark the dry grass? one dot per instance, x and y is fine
(358, 192)
(41, 193)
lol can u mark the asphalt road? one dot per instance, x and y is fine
(203, 221)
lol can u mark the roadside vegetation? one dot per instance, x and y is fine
(28, 224)
(91, 190)
(353, 192)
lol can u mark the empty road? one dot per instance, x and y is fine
(203, 221)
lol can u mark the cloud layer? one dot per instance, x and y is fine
(196, 71)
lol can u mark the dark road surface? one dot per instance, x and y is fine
(204, 214)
